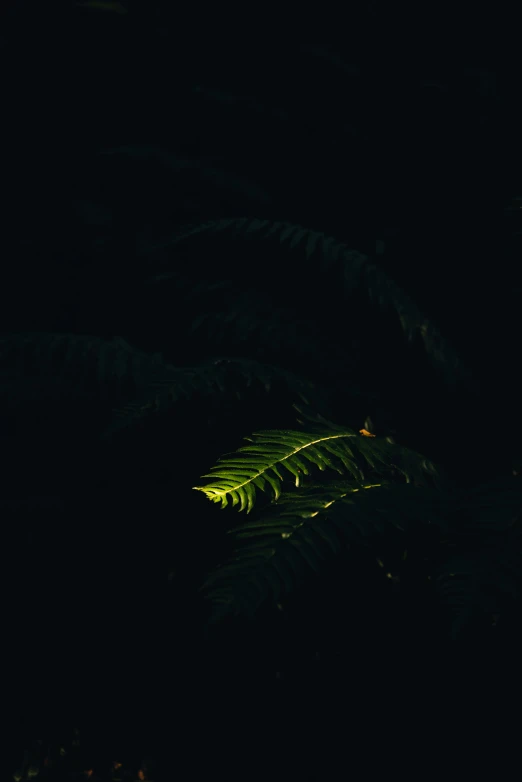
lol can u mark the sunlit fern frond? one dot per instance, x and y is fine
(276, 554)
(351, 267)
(380, 453)
(274, 453)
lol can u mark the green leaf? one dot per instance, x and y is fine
(301, 533)
(350, 267)
(238, 476)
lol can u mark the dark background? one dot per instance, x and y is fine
(342, 129)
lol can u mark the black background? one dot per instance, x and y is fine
(395, 144)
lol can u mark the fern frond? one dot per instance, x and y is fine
(274, 555)
(250, 317)
(381, 453)
(46, 367)
(486, 567)
(491, 507)
(353, 267)
(219, 375)
(249, 314)
(205, 171)
(261, 465)
(480, 582)
(39, 366)
(387, 505)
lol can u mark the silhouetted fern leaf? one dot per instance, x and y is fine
(274, 555)
(479, 582)
(219, 375)
(353, 267)
(494, 506)
(248, 316)
(46, 367)
(206, 174)
(486, 569)
(43, 367)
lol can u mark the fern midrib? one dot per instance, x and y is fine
(279, 461)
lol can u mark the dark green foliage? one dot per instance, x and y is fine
(127, 153)
(59, 368)
(262, 464)
(276, 553)
(272, 555)
(352, 269)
